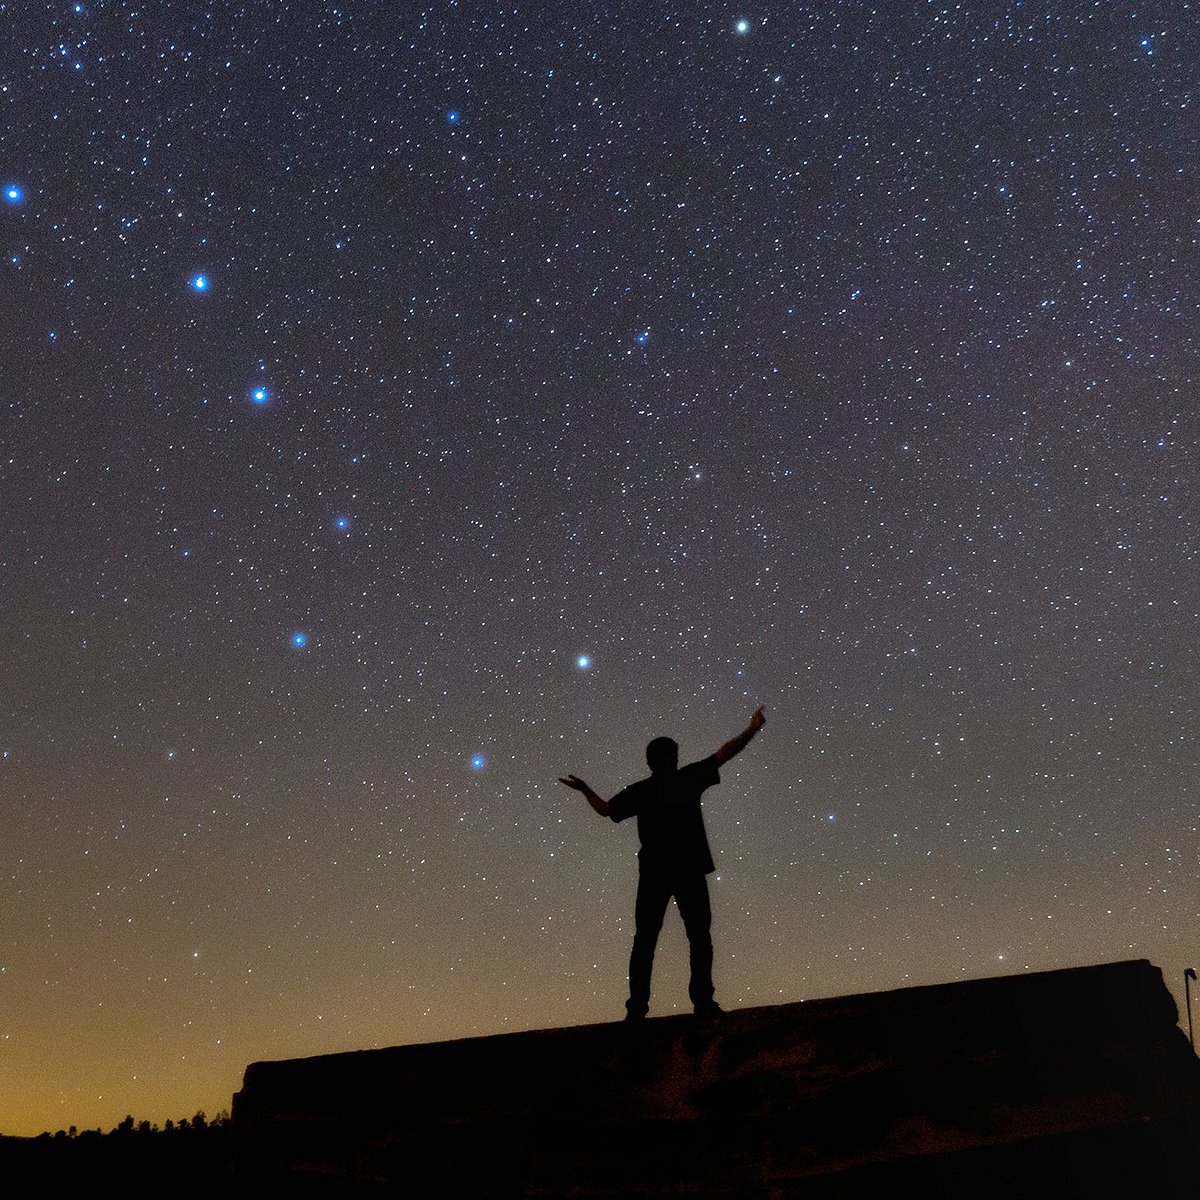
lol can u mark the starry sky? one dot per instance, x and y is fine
(402, 406)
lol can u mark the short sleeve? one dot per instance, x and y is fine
(704, 773)
(623, 804)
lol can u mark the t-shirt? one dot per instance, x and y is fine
(670, 823)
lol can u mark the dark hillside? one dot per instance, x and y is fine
(1067, 1083)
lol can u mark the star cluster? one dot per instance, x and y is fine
(406, 406)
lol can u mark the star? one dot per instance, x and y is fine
(642, 337)
(14, 193)
(199, 282)
(342, 523)
(742, 27)
(477, 762)
(299, 640)
(583, 662)
(260, 395)
(454, 116)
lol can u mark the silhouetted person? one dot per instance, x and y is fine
(674, 859)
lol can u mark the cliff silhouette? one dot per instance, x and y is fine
(1065, 1083)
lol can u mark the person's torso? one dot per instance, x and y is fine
(670, 819)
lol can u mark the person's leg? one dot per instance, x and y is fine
(653, 895)
(692, 897)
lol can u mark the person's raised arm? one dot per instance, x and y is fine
(577, 784)
(738, 744)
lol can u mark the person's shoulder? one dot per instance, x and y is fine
(625, 802)
(638, 785)
(704, 768)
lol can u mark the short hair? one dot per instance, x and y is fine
(662, 754)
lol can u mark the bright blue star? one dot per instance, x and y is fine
(14, 193)
(299, 640)
(477, 762)
(342, 522)
(260, 395)
(742, 27)
(583, 662)
(642, 337)
(454, 116)
(200, 283)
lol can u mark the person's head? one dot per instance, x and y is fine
(662, 754)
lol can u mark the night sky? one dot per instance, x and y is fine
(402, 407)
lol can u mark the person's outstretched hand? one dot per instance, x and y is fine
(758, 720)
(573, 781)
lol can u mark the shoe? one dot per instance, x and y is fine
(709, 1009)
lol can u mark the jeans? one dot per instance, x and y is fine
(655, 889)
